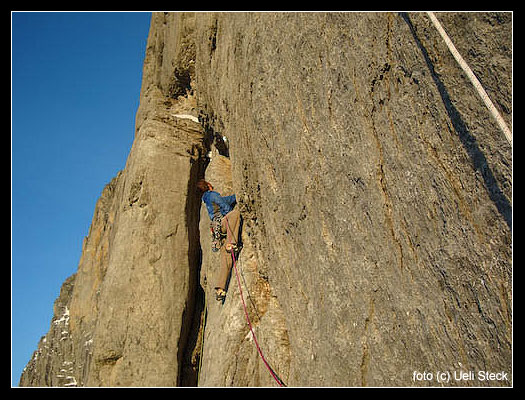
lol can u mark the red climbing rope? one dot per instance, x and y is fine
(272, 372)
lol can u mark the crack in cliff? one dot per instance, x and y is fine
(189, 353)
(191, 339)
(381, 176)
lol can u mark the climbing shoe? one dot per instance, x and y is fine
(220, 294)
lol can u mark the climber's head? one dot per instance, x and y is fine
(204, 186)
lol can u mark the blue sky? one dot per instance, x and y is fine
(75, 90)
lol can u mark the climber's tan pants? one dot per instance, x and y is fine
(230, 226)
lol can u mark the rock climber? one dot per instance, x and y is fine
(225, 221)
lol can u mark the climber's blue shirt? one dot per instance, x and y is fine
(215, 202)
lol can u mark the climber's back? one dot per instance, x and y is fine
(215, 203)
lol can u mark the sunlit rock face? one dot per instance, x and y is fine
(376, 196)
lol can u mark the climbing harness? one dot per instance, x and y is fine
(270, 369)
(216, 234)
(477, 85)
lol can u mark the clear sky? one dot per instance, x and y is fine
(75, 90)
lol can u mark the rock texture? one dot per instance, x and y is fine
(376, 197)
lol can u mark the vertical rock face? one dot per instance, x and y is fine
(374, 183)
(376, 196)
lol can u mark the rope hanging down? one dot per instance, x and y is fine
(482, 93)
(272, 372)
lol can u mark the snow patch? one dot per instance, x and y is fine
(187, 116)
(72, 383)
(64, 318)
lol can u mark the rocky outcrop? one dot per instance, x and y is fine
(375, 191)
(132, 299)
(51, 364)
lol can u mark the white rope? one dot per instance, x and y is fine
(483, 94)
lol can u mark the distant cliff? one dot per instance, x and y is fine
(375, 190)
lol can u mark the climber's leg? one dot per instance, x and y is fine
(224, 272)
(230, 226)
(231, 222)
